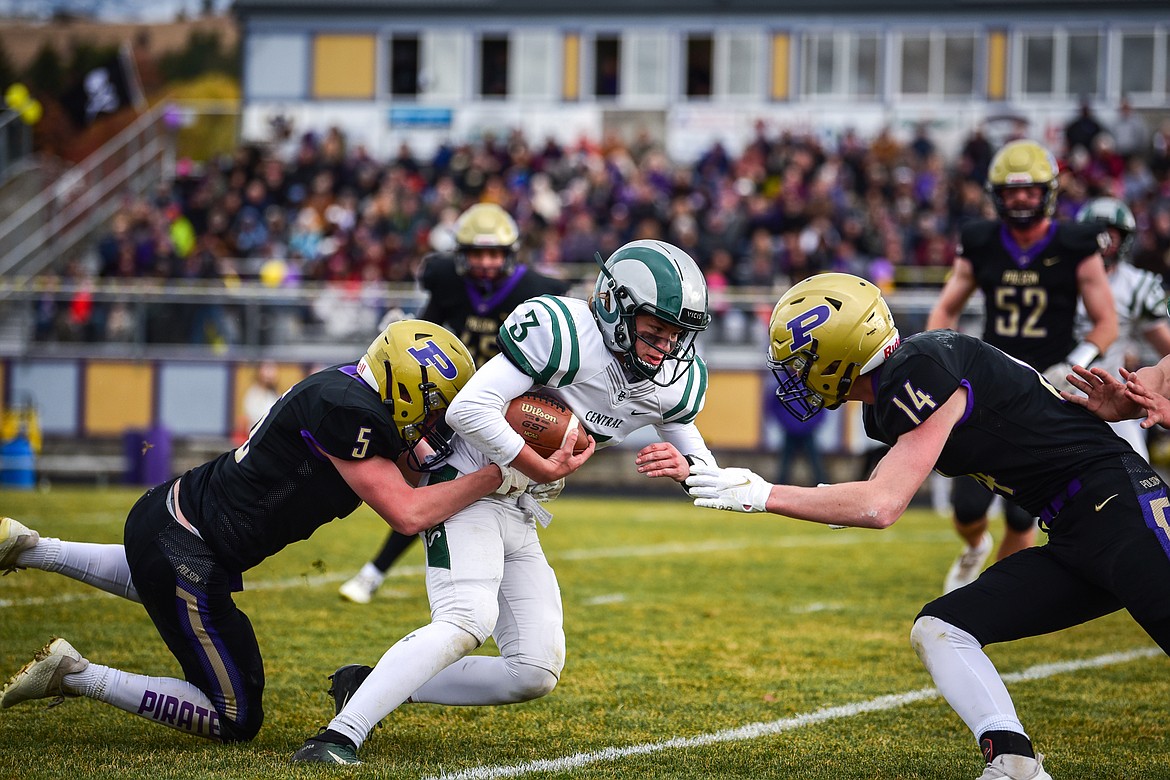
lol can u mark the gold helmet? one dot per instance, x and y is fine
(1023, 164)
(417, 368)
(486, 226)
(825, 332)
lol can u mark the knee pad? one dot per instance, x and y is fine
(476, 614)
(532, 682)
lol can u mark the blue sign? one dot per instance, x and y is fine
(420, 116)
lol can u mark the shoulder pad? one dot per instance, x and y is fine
(1082, 238)
(540, 337)
(437, 270)
(976, 235)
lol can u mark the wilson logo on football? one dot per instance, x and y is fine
(536, 411)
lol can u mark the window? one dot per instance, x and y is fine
(444, 55)
(607, 66)
(841, 65)
(644, 73)
(493, 66)
(698, 73)
(536, 59)
(1060, 64)
(1145, 63)
(404, 66)
(938, 64)
(739, 64)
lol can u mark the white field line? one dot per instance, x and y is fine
(585, 554)
(757, 730)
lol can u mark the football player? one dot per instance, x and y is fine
(1031, 270)
(472, 291)
(950, 402)
(621, 361)
(1138, 296)
(361, 431)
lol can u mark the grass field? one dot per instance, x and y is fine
(700, 644)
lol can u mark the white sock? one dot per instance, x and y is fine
(373, 572)
(103, 566)
(174, 703)
(412, 661)
(965, 676)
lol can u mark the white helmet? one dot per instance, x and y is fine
(656, 278)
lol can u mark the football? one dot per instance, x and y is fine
(544, 422)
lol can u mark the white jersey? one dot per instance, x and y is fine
(1140, 301)
(554, 343)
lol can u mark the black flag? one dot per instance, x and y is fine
(105, 89)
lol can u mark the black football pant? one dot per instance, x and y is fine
(188, 595)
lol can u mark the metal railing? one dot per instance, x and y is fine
(55, 222)
(150, 318)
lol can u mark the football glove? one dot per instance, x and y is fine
(514, 482)
(547, 491)
(736, 490)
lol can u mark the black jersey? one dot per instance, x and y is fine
(1018, 437)
(278, 487)
(470, 312)
(1030, 296)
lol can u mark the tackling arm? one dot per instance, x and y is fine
(409, 510)
(877, 503)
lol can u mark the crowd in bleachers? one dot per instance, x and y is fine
(315, 208)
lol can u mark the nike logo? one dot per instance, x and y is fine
(636, 412)
(1050, 261)
(1099, 507)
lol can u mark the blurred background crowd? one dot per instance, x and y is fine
(311, 207)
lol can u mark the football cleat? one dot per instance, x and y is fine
(967, 566)
(345, 682)
(44, 676)
(15, 538)
(321, 749)
(360, 588)
(1007, 766)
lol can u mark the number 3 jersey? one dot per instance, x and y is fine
(555, 342)
(278, 487)
(1017, 436)
(1030, 295)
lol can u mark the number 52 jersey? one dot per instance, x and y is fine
(1017, 436)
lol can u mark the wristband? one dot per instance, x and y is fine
(1083, 354)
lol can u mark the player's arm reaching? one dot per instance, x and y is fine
(876, 503)
(1143, 393)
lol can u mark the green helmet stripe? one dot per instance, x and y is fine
(667, 281)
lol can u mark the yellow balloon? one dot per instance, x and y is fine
(32, 112)
(16, 96)
(272, 272)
